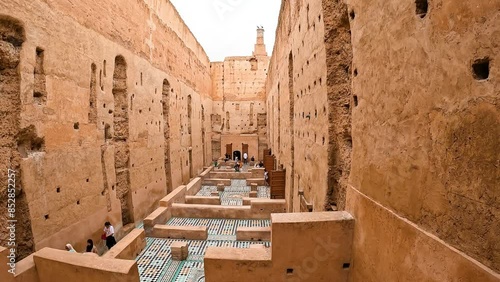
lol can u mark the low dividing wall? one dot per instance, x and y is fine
(180, 232)
(193, 187)
(160, 216)
(253, 233)
(176, 196)
(25, 270)
(116, 265)
(402, 250)
(199, 200)
(129, 247)
(204, 174)
(258, 209)
(305, 247)
(215, 181)
(258, 181)
(253, 264)
(257, 172)
(229, 174)
(56, 265)
(210, 211)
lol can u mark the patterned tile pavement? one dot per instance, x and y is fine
(219, 229)
(155, 263)
(232, 195)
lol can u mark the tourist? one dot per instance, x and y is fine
(70, 248)
(245, 158)
(252, 159)
(110, 235)
(261, 164)
(266, 177)
(90, 247)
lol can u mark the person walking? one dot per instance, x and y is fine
(110, 235)
(245, 158)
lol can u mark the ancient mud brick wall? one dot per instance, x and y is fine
(425, 136)
(239, 99)
(78, 124)
(308, 101)
(15, 142)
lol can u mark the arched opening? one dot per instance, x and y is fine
(237, 154)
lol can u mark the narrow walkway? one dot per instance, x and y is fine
(155, 262)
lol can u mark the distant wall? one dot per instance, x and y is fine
(239, 101)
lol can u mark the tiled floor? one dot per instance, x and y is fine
(232, 195)
(155, 263)
(219, 229)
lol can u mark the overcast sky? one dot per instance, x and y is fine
(229, 27)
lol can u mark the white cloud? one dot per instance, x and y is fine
(228, 27)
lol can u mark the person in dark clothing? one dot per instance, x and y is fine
(90, 247)
(110, 235)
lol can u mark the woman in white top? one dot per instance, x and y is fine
(110, 235)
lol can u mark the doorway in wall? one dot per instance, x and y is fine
(229, 149)
(237, 154)
(245, 150)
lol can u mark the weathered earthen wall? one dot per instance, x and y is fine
(303, 120)
(425, 136)
(85, 127)
(15, 142)
(238, 101)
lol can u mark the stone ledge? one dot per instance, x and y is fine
(58, 265)
(176, 196)
(129, 247)
(215, 181)
(253, 233)
(214, 254)
(201, 200)
(258, 181)
(159, 216)
(180, 232)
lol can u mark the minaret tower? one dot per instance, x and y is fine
(260, 47)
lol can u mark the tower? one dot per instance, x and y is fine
(260, 47)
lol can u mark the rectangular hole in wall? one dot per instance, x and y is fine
(481, 68)
(39, 91)
(421, 8)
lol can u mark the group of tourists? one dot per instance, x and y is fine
(108, 236)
